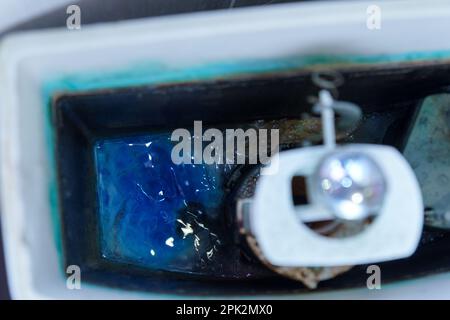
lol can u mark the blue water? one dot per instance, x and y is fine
(155, 214)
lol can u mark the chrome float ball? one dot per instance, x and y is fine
(350, 184)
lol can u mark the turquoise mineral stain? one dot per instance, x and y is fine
(155, 214)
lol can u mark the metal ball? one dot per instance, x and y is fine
(350, 184)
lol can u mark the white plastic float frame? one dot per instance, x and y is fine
(285, 241)
(29, 60)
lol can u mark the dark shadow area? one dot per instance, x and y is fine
(96, 11)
